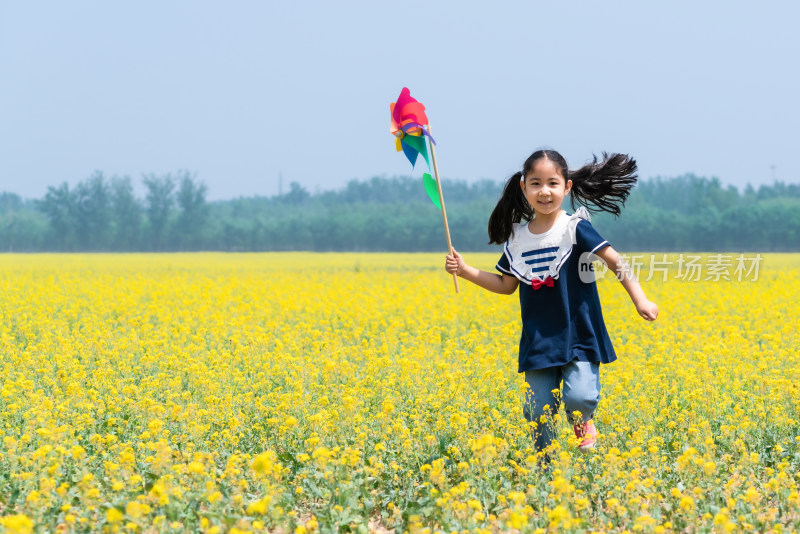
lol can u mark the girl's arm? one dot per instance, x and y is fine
(648, 310)
(498, 283)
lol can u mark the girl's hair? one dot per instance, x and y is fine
(600, 186)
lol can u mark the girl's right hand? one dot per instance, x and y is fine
(454, 263)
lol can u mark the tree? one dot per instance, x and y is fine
(10, 202)
(92, 213)
(191, 198)
(159, 203)
(127, 215)
(22, 230)
(297, 194)
(57, 206)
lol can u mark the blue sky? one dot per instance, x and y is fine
(243, 92)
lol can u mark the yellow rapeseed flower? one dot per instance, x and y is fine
(17, 524)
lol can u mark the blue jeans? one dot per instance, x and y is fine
(581, 392)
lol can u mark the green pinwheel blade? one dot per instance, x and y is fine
(431, 189)
(417, 142)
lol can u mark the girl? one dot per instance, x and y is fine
(550, 251)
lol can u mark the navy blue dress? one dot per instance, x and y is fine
(564, 322)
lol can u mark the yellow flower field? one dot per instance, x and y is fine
(305, 392)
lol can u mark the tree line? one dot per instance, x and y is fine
(100, 214)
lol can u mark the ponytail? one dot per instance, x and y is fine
(512, 208)
(604, 185)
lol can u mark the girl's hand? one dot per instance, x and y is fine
(497, 283)
(454, 263)
(648, 310)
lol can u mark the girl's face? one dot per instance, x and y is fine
(545, 188)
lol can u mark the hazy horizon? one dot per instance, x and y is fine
(244, 93)
(140, 191)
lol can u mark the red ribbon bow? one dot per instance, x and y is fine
(536, 283)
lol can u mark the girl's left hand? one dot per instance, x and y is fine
(454, 263)
(648, 310)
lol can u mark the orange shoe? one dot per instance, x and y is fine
(587, 433)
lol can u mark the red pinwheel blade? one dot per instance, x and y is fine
(408, 108)
(414, 111)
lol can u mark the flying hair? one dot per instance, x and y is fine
(604, 185)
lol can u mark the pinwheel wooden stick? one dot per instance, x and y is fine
(410, 126)
(441, 203)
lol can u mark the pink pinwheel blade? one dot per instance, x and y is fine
(402, 100)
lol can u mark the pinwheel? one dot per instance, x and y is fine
(410, 127)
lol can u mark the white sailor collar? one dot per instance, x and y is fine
(539, 256)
